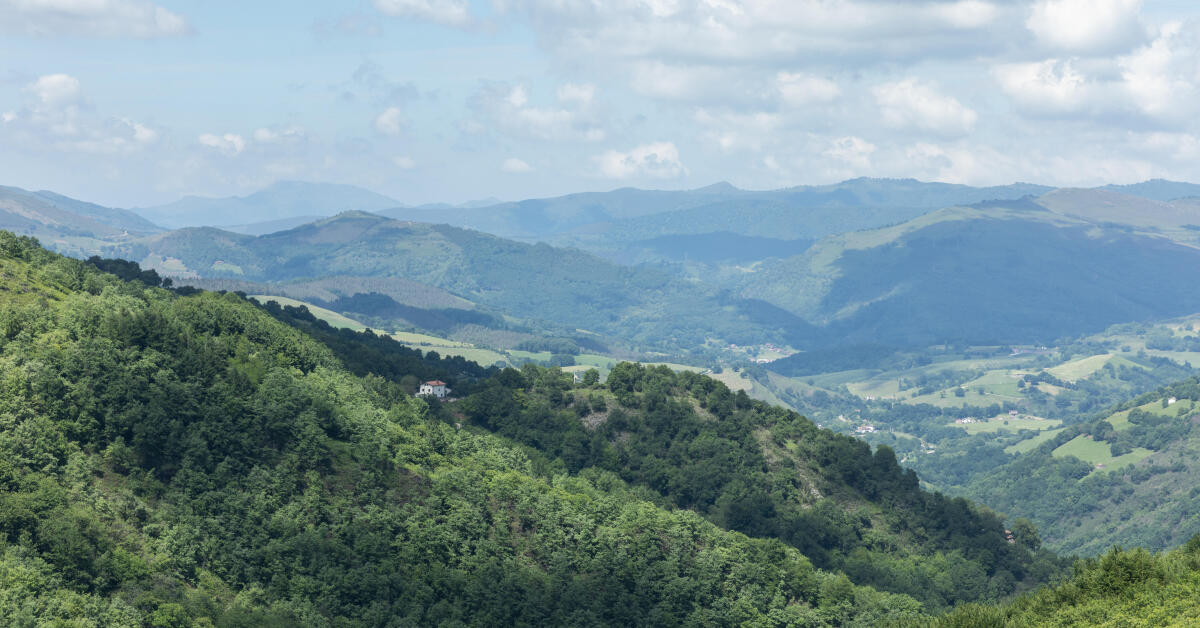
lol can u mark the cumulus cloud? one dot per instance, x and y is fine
(731, 130)
(56, 90)
(516, 166)
(910, 104)
(578, 93)
(404, 162)
(57, 116)
(659, 160)
(92, 18)
(228, 144)
(264, 135)
(391, 121)
(1162, 79)
(507, 109)
(747, 30)
(450, 12)
(851, 151)
(1087, 26)
(1052, 86)
(798, 89)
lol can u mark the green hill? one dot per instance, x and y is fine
(1126, 479)
(995, 274)
(562, 290)
(280, 201)
(192, 458)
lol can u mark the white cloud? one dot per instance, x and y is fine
(450, 12)
(1162, 79)
(851, 151)
(56, 90)
(92, 18)
(579, 93)
(514, 165)
(8, 116)
(711, 31)
(228, 144)
(797, 89)
(912, 104)
(391, 121)
(731, 130)
(404, 162)
(509, 110)
(658, 160)
(274, 135)
(1087, 26)
(1050, 86)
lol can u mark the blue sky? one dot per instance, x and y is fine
(133, 102)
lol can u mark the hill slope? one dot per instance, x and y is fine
(600, 219)
(558, 288)
(176, 460)
(55, 216)
(280, 201)
(992, 274)
(1127, 479)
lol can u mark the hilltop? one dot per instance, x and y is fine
(178, 456)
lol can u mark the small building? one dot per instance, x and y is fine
(435, 388)
(1172, 401)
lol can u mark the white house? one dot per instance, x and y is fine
(435, 388)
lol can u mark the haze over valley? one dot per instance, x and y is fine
(478, 313)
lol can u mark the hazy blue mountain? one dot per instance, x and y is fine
(981, 275)
(596, 219)
(271, 226)
(564, 289)
(283, 200)
(50, 214)
(1157, 189)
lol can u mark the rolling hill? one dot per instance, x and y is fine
(996, 273)
(55, 215)
(281, 201)
(1128, 478)
(182, 458)
(561, 289)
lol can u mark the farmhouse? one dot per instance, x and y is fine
(435, 388)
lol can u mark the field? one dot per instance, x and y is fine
(333, 318)
(1080, 369)
(1032, 443)
(1099, 453)
(410, 338)
(1120, 420)
(1008, 424)
(998, 386)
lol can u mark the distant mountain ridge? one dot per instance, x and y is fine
(280, 201)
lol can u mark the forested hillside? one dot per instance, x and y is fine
(562, 290)
(175, 459)
(1126, 479)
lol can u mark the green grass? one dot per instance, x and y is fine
(333, 318)
(227, 267)
(1099, 453)
(410, 338)
(1082, 368)
(1120, 420)
(998, 386)
(1007, 424)
(1029, 444)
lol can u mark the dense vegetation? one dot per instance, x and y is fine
(767, 472)
(1086, 509)
(560, 291)
(1120, 588)
(189, 460)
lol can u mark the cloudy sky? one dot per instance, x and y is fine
(133, 102)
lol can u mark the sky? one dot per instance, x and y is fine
(135, 102)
